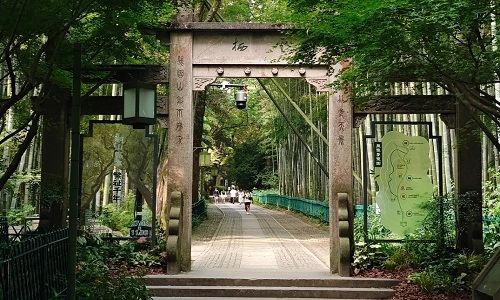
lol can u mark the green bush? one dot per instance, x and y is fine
(367, 256)
(96, 282)
(129, 253)
(16, 216)
(433, 282)
(398, 258)
(118, 217)
(491, 213)
(430, 250)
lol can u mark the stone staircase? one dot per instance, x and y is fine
(163, 286)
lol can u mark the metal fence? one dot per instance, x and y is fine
(312, 208)
(199, 208)
(34, 268)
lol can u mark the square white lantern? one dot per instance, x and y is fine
(139, 106)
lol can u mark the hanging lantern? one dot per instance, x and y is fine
(205, 158)
(139, 107)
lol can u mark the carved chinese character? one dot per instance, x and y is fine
(342, 126)
(180, 60)
(180, 100)
(239, 46)
(180, 86)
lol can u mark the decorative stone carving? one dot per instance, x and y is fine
(320, 84)
(449, 120)
(174, 228)
(344, 234)
(162, 105)
(156, 74)
(199, 83)
(359, 119)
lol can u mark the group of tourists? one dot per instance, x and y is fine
(232, 195)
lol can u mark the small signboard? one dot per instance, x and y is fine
(140, 228)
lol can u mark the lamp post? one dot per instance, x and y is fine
(139, 106)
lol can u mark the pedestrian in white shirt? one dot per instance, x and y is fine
(247, 199)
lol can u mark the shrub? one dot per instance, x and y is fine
(399, 258)
(16, 216)
(367, 255)
(433, 282)
(96, 282)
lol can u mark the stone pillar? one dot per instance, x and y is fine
(180, 137)
(340, 169)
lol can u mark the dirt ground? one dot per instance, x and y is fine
(410, 291)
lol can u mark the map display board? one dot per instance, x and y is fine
(401, 165)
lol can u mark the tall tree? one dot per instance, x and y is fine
(35, 50)
(450, 43)
(447, 42)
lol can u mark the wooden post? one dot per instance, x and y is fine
(468, 181)
(340, 166)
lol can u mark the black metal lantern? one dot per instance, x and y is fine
(240, 98)
(139, 106)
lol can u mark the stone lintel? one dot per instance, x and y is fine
(260, 71)
(408, 104)
(213, 26)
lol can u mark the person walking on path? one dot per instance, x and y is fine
(223, 196)
(240, 196)
(232, 194)
(247, 198)
(216, 195)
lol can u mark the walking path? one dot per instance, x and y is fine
(262, 244)
(260, 255)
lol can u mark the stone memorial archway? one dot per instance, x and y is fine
(202, 52)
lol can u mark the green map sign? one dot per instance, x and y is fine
(401, 171)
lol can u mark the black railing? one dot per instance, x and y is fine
(199, 208)
(34, 268)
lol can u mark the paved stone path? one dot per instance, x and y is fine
(233, 243)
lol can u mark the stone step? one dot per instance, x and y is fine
(271, 292)
(307, 288)
(345, 282)
(243, 298)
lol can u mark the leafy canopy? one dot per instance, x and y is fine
(402, 40)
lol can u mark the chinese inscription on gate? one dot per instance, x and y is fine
(180, 99)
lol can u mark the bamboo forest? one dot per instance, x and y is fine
(143, 139)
